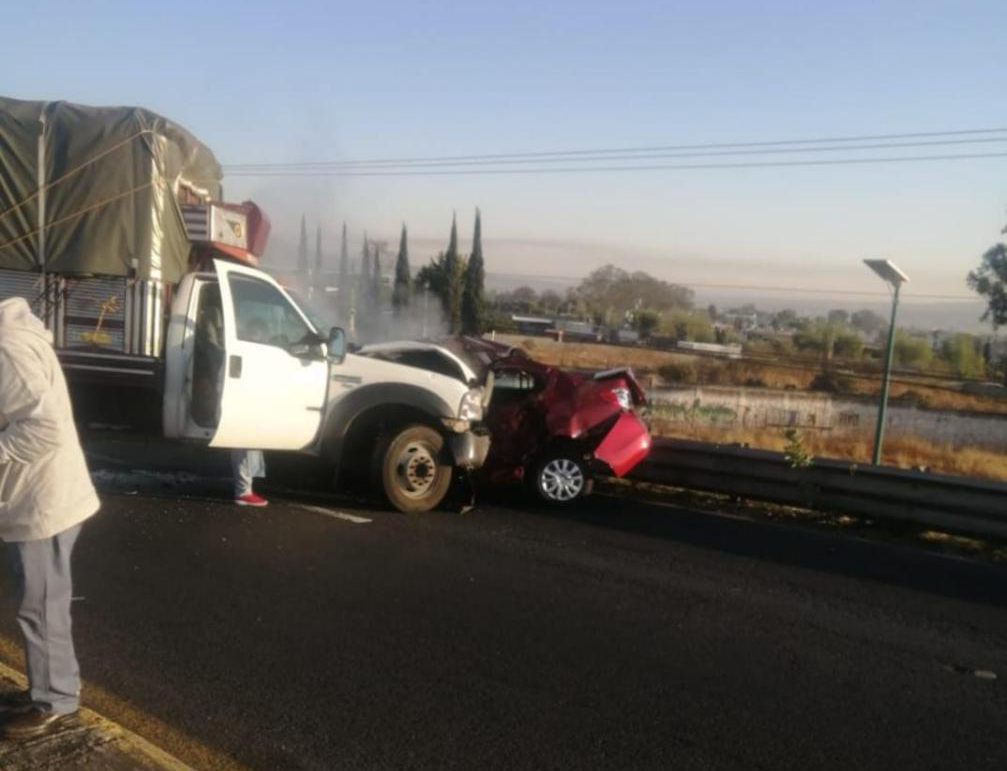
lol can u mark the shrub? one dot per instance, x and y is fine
(832, 383)
(678, 372)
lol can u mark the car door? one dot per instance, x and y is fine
(274, 384)
(515, 418)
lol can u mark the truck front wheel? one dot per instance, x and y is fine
(415, 476)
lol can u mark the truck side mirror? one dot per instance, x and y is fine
(337, 345)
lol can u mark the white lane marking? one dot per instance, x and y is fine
(335, 514)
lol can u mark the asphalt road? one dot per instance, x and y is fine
(625, 636)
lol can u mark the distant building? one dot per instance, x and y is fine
(731, 351)
(532, 325)
(625, 336)
(574, 331)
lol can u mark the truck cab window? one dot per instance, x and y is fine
(263, 315)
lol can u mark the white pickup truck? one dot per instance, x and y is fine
(276, 382)
(112, 228)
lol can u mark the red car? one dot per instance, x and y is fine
(556, 430)
(552, 429)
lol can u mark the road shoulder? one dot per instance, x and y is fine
(87, 741)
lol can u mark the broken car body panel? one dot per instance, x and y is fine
(535, 407)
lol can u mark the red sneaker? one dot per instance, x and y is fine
(251, 499)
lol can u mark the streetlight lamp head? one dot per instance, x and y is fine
(887, 271)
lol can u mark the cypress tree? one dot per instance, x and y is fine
(344, 270)
(376, 275)
(317, 276)
(400, 293)
(452, 277)
(365, 272)
(302, 250)
(473, 305)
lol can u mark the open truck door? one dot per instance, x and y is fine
(276, 373)
(244, 367)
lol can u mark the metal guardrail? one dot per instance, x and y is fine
(943, 502)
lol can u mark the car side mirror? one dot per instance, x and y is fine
(337, 345)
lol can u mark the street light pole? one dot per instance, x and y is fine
(879, 432)
(895, 278)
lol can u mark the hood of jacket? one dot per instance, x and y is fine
(16, 318)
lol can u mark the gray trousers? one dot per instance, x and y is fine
(43, 590)
(246, 465)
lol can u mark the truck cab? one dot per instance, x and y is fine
(245, 367)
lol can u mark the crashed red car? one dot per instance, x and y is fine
(553, 429)
(556, 430)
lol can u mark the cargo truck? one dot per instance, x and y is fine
(112, 227)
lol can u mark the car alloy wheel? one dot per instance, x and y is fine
(561, 480)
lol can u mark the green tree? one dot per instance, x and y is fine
(550, 301)
(839, 317)
(365, 281)
(868, 322)
(609, 293)
(962, 352)
(473, 303)
(317, 276)
(816, 336)
(344, 271)
(848, 345)
(989, 281)
(401, 289)
(441, 281)
(912, 351)
(829, 338)
(785, 319)
(645, 322)
(376, 274)
(302, 250)
(685, 325)
(523, 299)
(452, 274)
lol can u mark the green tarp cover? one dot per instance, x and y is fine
(108, 189)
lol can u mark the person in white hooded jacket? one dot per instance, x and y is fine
(45, 496)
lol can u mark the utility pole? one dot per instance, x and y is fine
(895, 278)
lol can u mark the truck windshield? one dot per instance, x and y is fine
(310, 310)
(264, 315)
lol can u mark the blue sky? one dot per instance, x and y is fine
(295, 81)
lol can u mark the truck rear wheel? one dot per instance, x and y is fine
(415, 476)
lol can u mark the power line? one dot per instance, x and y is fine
(597, 169)
(636, 156)
(644, 149)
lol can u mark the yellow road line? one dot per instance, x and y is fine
(165, 738)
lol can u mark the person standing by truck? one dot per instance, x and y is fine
(208, 377)
(45, 495)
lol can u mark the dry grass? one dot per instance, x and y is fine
(704, 370)
(899, 451)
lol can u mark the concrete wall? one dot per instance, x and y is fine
(765, 408)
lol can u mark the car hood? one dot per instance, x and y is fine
(454, 363)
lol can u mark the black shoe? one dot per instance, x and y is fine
(33, 723)
(15, 701)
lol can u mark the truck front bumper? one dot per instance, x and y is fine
(470, 448)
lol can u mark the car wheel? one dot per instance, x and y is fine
(561, 479)
(414, 475)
